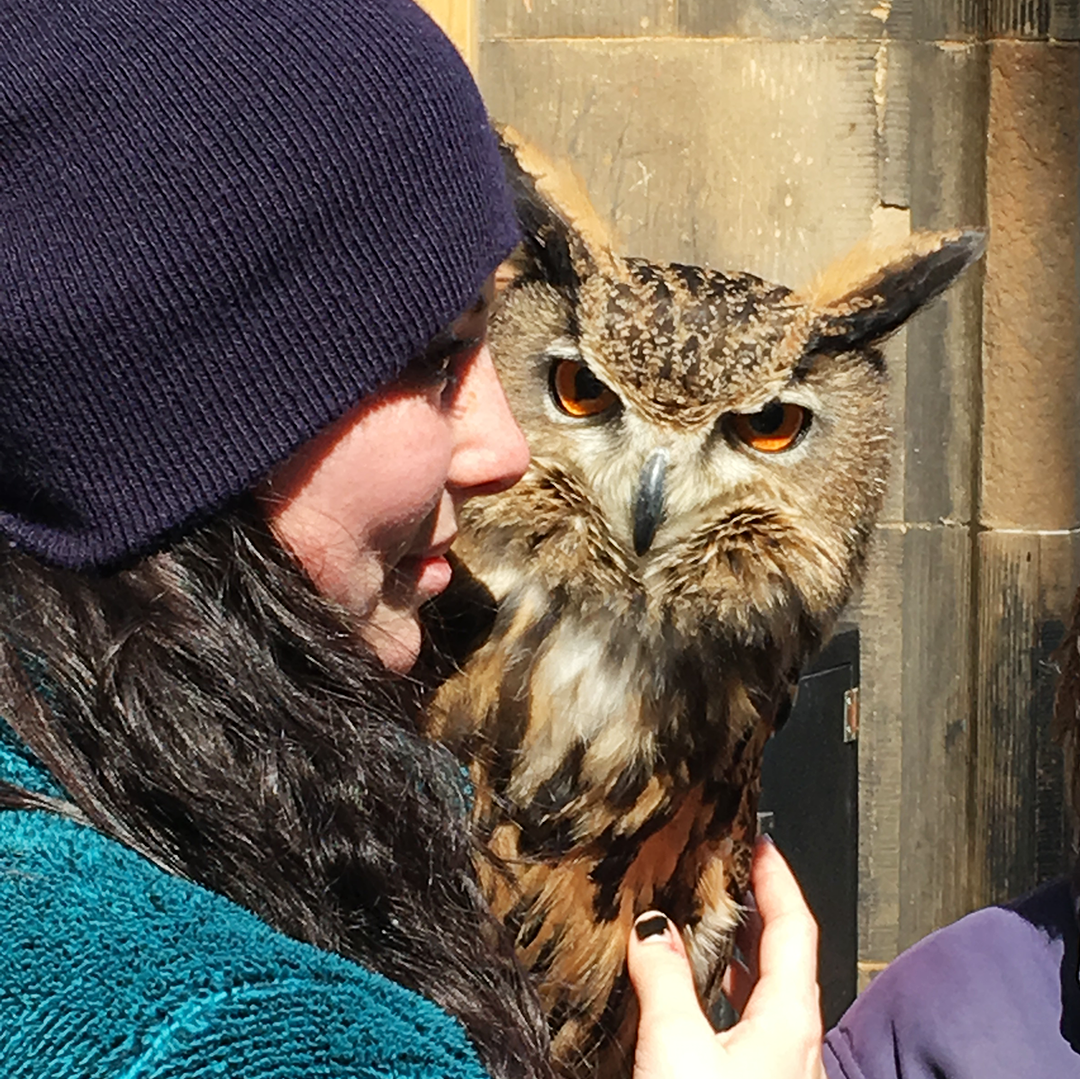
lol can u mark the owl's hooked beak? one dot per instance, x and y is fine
(649, 506)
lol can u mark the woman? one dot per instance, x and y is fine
(243, 390)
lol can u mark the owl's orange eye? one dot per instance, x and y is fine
(577, 391)
(777, 427)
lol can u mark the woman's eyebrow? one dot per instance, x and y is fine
(478, 310)
(447, 343)
(474, 316)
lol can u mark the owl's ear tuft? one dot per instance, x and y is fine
(872, 290)
(564, 238)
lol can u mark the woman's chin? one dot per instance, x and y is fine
(395, 637)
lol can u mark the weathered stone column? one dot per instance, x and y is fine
(1028, 552)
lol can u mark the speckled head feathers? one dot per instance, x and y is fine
(683, 339)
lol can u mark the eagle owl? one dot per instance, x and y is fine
(628, 623)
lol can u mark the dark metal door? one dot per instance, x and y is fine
(809, 804)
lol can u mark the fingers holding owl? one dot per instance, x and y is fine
(779, 1033)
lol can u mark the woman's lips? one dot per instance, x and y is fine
(430, 571)
(432, 576)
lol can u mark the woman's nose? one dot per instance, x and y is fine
(490, 452)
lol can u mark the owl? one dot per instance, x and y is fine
(628, 623)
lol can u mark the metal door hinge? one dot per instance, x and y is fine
(851, 714)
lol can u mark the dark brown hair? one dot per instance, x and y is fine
(208, 708)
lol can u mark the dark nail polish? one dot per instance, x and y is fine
(651, 927)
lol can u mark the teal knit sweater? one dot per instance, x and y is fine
(111, 967)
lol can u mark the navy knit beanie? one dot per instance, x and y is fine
(223, 223)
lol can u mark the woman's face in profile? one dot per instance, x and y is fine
(369, 506)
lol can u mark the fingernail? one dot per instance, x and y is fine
(765, 837)
(650, 925)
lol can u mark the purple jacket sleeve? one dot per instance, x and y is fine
(994, 996)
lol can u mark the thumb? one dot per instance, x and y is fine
(660, 972)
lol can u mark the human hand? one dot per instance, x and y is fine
(779, 1032)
